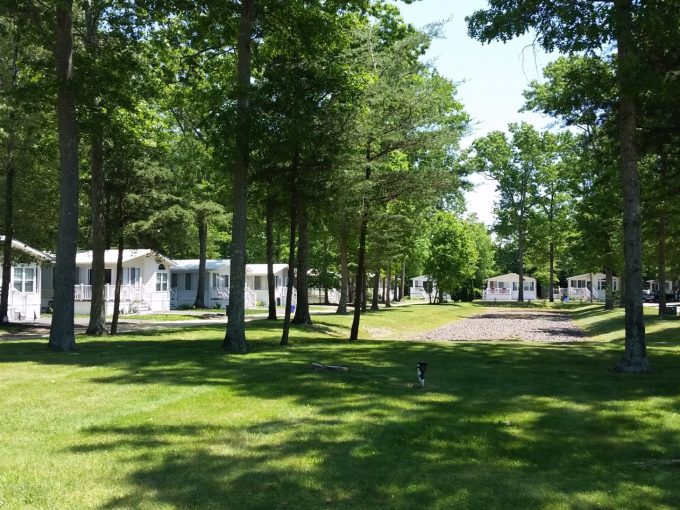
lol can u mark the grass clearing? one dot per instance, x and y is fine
(166, 420)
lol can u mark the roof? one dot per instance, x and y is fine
(261, 269)
(511, 277)
(586, 276)
(421, 277)
(210, 265)
(37, 254)
(111, 256)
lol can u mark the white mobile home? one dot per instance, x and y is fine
(653, 286)
(184, 283)
(584, 286)
(145, 284)
(422, 288)
(505, 287)
(256, 280)
(24, 300)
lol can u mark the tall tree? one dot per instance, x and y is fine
(513, 165)
(235, 338)
(409, 110)
(62, 334)
(589, 26)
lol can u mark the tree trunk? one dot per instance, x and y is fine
(235, 338)
(271, 280)
(359, 280)
(361, 263)
(609, 299)
(388, 285)
(119, 281)
(402, 287)
(635, 353)
(344, 274)
(291, 265)
(520, 257)
(364, 294)
(376, 290)
(62, 334)
(10, 177)
(552, 272)
(351, 289)
(97, 323)
(661, 261)
(302, 315)
(202, 220)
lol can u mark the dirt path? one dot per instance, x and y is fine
(528, 325)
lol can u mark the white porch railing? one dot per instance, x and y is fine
(497, 294)
(250, 298)
(220, 293)
(333, 295)
(128, 292)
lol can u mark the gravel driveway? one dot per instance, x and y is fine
(529, 325)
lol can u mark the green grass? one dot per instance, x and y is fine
(167, 420)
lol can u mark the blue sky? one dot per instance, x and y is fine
(491, 77)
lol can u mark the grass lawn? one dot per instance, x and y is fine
(167, 420)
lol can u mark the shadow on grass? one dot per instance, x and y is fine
(498, 425)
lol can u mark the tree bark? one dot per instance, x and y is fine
(402, 287)
(344, 273)
(520, 257)
(10, 177)
(235, 338)
(609, 299)
(388, 285)
(376, 290)
(364, 294)
(291, 266)
(302, 315)
(552, 272)
(62, 334)
(361, 264)
(271, 280)
(635, 352)
(661, 260)
(202, 224)
(119, 281)
(97, 323)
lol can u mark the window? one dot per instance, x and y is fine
(187, 281)
(173, 282)
(131, 275)
(515, 286)
(24, 279)
(220, 281)
(257, 284)
(529, 286)
(161, 281)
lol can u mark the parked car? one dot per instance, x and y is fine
(653, 297)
